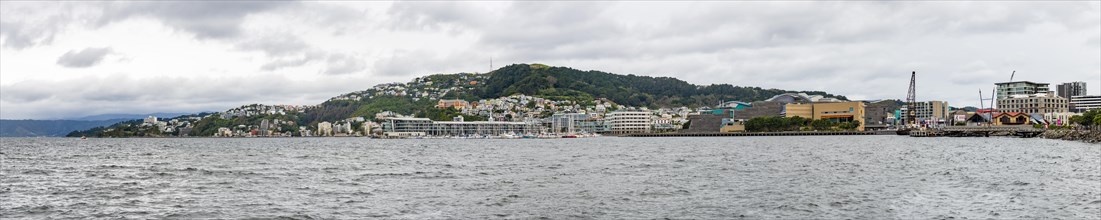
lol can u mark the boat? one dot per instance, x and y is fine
(903, 131)
(569, 136)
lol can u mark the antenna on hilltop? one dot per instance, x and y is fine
(491, 64)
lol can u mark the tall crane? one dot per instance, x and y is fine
(911, 102)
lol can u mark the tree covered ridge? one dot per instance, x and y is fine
(631, 90)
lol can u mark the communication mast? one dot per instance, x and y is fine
(911, 112)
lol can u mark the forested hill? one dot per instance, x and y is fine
(556, 83)
(419, 97)
(631, 90)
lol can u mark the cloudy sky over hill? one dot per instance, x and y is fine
(70, 59)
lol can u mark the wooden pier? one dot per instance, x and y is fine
(978, 131)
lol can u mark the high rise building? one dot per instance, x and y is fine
(623, 122)
(1085, 103)
(1007, 89)
(1071, 89)
(1034, 103)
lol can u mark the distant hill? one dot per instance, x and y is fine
(418, 97)
(48, 128)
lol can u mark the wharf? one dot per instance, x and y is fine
(978, 131)
(742, 134)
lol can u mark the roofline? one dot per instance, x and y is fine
(1021, 82)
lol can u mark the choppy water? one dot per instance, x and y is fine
(878, 177)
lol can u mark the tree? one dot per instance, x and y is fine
(821, 124)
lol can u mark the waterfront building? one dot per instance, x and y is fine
(880, 114)
(834, 111)
(1071, 89)
(224, 132)
(759, 109)
(703, 123)
(1084, 103)
(930, 112)
(1041, 103)
(958, 117)
(732, 125)
(571, 123)
(1059, 118)
(1007, 89)
(324, 129)
(265, 128)
(625, 122)
(1012, 118)
(405, 127)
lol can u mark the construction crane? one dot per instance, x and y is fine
(911, 102)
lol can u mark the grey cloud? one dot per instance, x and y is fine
(340, 64)
(433, 15)
(275, 44)
(21, 28)
(89, 95)
(83, 58)
(205, 19)
(422, 62)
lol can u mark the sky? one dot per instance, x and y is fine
(73, 59)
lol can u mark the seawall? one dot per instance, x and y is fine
(1073, 135)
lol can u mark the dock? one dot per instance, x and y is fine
(978, 131)
(744, 134)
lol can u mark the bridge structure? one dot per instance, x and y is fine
(979, 131)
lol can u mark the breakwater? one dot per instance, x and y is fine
(1073, 135)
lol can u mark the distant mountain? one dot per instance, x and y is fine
(48, 128)
(125, 116)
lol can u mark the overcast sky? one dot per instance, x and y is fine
(71, 59)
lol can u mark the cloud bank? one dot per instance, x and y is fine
(63, 58)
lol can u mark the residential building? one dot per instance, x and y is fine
(404, 127)
(1040, 103)
(265, 128)
(930, 112)
(324, 129)
(1084, 103)
(834, 111)
(452, 103)
(624, 122)
(224, 132)
(1071, 89)
(1007, 89)
(150, 120)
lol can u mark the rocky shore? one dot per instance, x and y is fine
(1073, 135)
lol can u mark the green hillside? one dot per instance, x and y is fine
(419, 96)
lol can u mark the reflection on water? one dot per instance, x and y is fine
(725, 177)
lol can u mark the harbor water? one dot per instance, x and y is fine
(834, 177)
